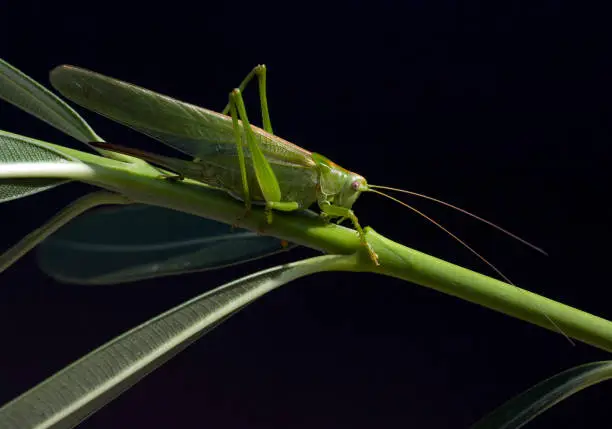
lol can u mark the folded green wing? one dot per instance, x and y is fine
(193, 130)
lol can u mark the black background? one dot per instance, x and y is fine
(500, 107)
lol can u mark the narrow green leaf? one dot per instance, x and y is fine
(30, 96)
(19, 149)
(12, 255)
(130, 243)
(533, 402)
(74, 393)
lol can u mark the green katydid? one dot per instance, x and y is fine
(249, 163)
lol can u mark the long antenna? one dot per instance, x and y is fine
(499, 228)
(482, 258)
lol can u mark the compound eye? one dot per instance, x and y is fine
(356, 185)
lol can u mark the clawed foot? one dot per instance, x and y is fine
(269, 216)
(372, 253)
(236, 223)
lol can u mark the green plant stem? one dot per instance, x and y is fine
(412, 265)
(395, 260)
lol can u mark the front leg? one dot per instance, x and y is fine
(336, 211)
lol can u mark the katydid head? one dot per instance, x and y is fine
(338, 185)
(354, 185)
